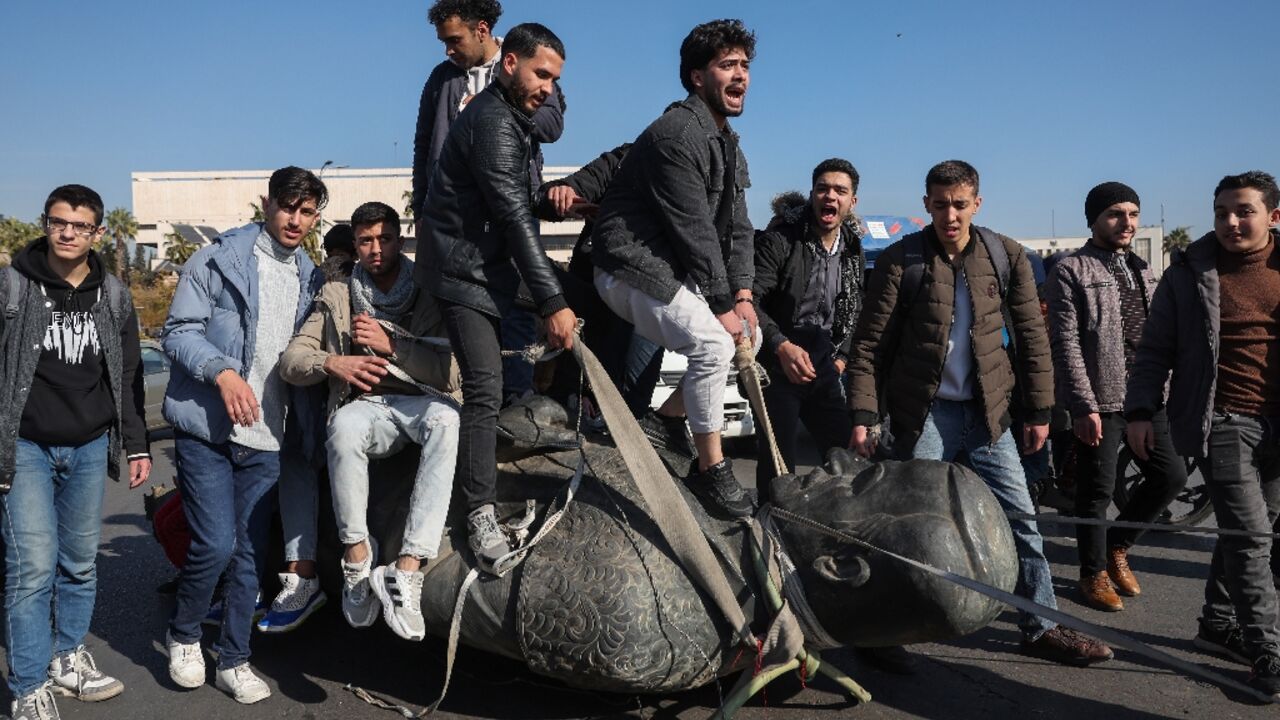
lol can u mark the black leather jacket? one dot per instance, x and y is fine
(479, 235)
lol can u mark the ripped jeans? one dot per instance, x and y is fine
(378, 426)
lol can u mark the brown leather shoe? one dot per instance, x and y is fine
(1062, 645)
(1118, 569)
(1097, 593)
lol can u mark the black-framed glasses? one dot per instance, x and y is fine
(56, 225)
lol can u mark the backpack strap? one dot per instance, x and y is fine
(912, 271)
(117, 298)
(17, 288)
(999, 255)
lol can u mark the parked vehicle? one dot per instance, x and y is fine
(155, 371)
(738, 421)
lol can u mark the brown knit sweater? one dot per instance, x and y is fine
(1249, 349)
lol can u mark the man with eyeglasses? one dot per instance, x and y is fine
(71, 373)
(239, 301)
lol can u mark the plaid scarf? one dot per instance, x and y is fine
(393, 306)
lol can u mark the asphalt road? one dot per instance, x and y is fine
(981, 676)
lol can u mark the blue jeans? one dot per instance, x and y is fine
(955, 426)
(299, 494)
(225, 499)
(379, 426)
(51, 521)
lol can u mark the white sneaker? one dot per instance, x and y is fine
(359, 605)
(76, 675)
(486, 538)
(298, 598)
(241, 683)
(35, 705)
(401, 595)
(186, 662)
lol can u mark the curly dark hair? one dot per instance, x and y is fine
(951, 172)
(707, 40)
(468, 11)
(1261, 181)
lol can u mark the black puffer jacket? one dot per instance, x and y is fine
(480, 238)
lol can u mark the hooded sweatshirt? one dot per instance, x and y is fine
(70, 401)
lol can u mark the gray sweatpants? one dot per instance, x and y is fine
(685, 326)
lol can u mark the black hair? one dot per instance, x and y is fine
(525, 39)
(290, 185)
(375, 212)
(1261, 181)
(706, 41)
(468, 11)
(340, 238)
(951, 172)
(77, 196)
(839, 165)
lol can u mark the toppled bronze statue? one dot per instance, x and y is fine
(601, 604)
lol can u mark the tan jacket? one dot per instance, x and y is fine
(327, 331)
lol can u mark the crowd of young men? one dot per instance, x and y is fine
(278, 363)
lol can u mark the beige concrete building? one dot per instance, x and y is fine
(1148, 244)
(203, 203)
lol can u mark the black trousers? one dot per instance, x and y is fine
(1164, 476)
(474, 337)
(820, 404)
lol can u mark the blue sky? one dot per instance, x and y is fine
(1045, 98)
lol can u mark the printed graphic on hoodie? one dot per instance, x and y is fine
(71, 334)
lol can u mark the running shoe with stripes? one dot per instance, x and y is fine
(401, 596)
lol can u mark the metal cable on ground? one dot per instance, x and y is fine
(1107, 635)
(1157, 527)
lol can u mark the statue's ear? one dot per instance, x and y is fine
(853, 570)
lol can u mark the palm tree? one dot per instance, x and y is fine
(178, 249)
(122, 226)
(407, 197)
(312, 242)
(1178, 238)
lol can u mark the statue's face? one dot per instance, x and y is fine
(934, 512)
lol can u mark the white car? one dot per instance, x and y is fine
(738, 421)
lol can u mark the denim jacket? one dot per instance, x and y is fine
(657, 221)
(211, 328)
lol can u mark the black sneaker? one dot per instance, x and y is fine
(668, 433)
(720, 492)
(1227, 642)
(1265, 677)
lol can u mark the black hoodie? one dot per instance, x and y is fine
(70, 401)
